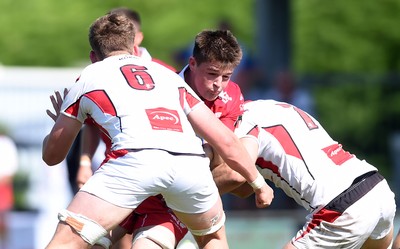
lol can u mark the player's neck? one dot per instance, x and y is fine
(114, 53)
(188, 77)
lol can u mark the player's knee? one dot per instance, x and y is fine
(158, 235)
(88, 229)
(216, 223)
(103, 242)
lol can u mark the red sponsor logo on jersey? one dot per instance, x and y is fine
(336, 153)
(164, 119)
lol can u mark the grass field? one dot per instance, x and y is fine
(245, 230)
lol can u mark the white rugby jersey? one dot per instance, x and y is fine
(297, 154)
(136, 103)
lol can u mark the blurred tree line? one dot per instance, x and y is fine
(349, 52)
(54, 33)
(346, 52)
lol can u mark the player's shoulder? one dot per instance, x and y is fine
(160, 73)
(154, 65)
(162, 63)
(263, 106)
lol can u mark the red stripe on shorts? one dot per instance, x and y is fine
(322, 215)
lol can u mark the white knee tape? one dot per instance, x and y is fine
(88, 229)
(104, 242)
(158, 234)
(214, 227)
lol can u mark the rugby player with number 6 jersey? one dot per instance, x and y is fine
(216, 54)
(124, 95)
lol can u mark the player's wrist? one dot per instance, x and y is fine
(258, 183)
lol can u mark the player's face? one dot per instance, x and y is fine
(209, 79)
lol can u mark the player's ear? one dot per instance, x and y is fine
(93, 57)
(138, 38)
(192, 62)
(136, 50)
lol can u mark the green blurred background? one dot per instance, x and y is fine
(346, 52)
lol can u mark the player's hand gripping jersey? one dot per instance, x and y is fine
(297, 154)
(97, 95)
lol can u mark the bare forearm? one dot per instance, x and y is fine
(226, 179)
(243, 191)
(223, 141)
(90, 140)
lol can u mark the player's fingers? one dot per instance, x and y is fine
(53, 100)
(65, 92)
(59, 98)
(55, 104)
(51, 115)
(261, 204)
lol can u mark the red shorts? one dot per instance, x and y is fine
(6, 197)
(154, 211)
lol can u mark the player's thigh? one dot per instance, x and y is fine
(206, 220)
(104, 213)
(93, 208)
(367, 221)
(382, 201)
(383, 243)
(65, 238)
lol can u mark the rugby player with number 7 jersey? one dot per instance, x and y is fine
(351, 205)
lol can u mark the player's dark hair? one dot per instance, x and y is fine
(217, 46)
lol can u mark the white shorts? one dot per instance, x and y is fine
(370, 216)
(185, 181)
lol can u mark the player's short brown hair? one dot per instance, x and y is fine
(111, 32)
(217, 46)
(131, 14)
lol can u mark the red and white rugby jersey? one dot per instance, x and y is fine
(136, 103)
(144, 54)
(297, 154)
(229, 104)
